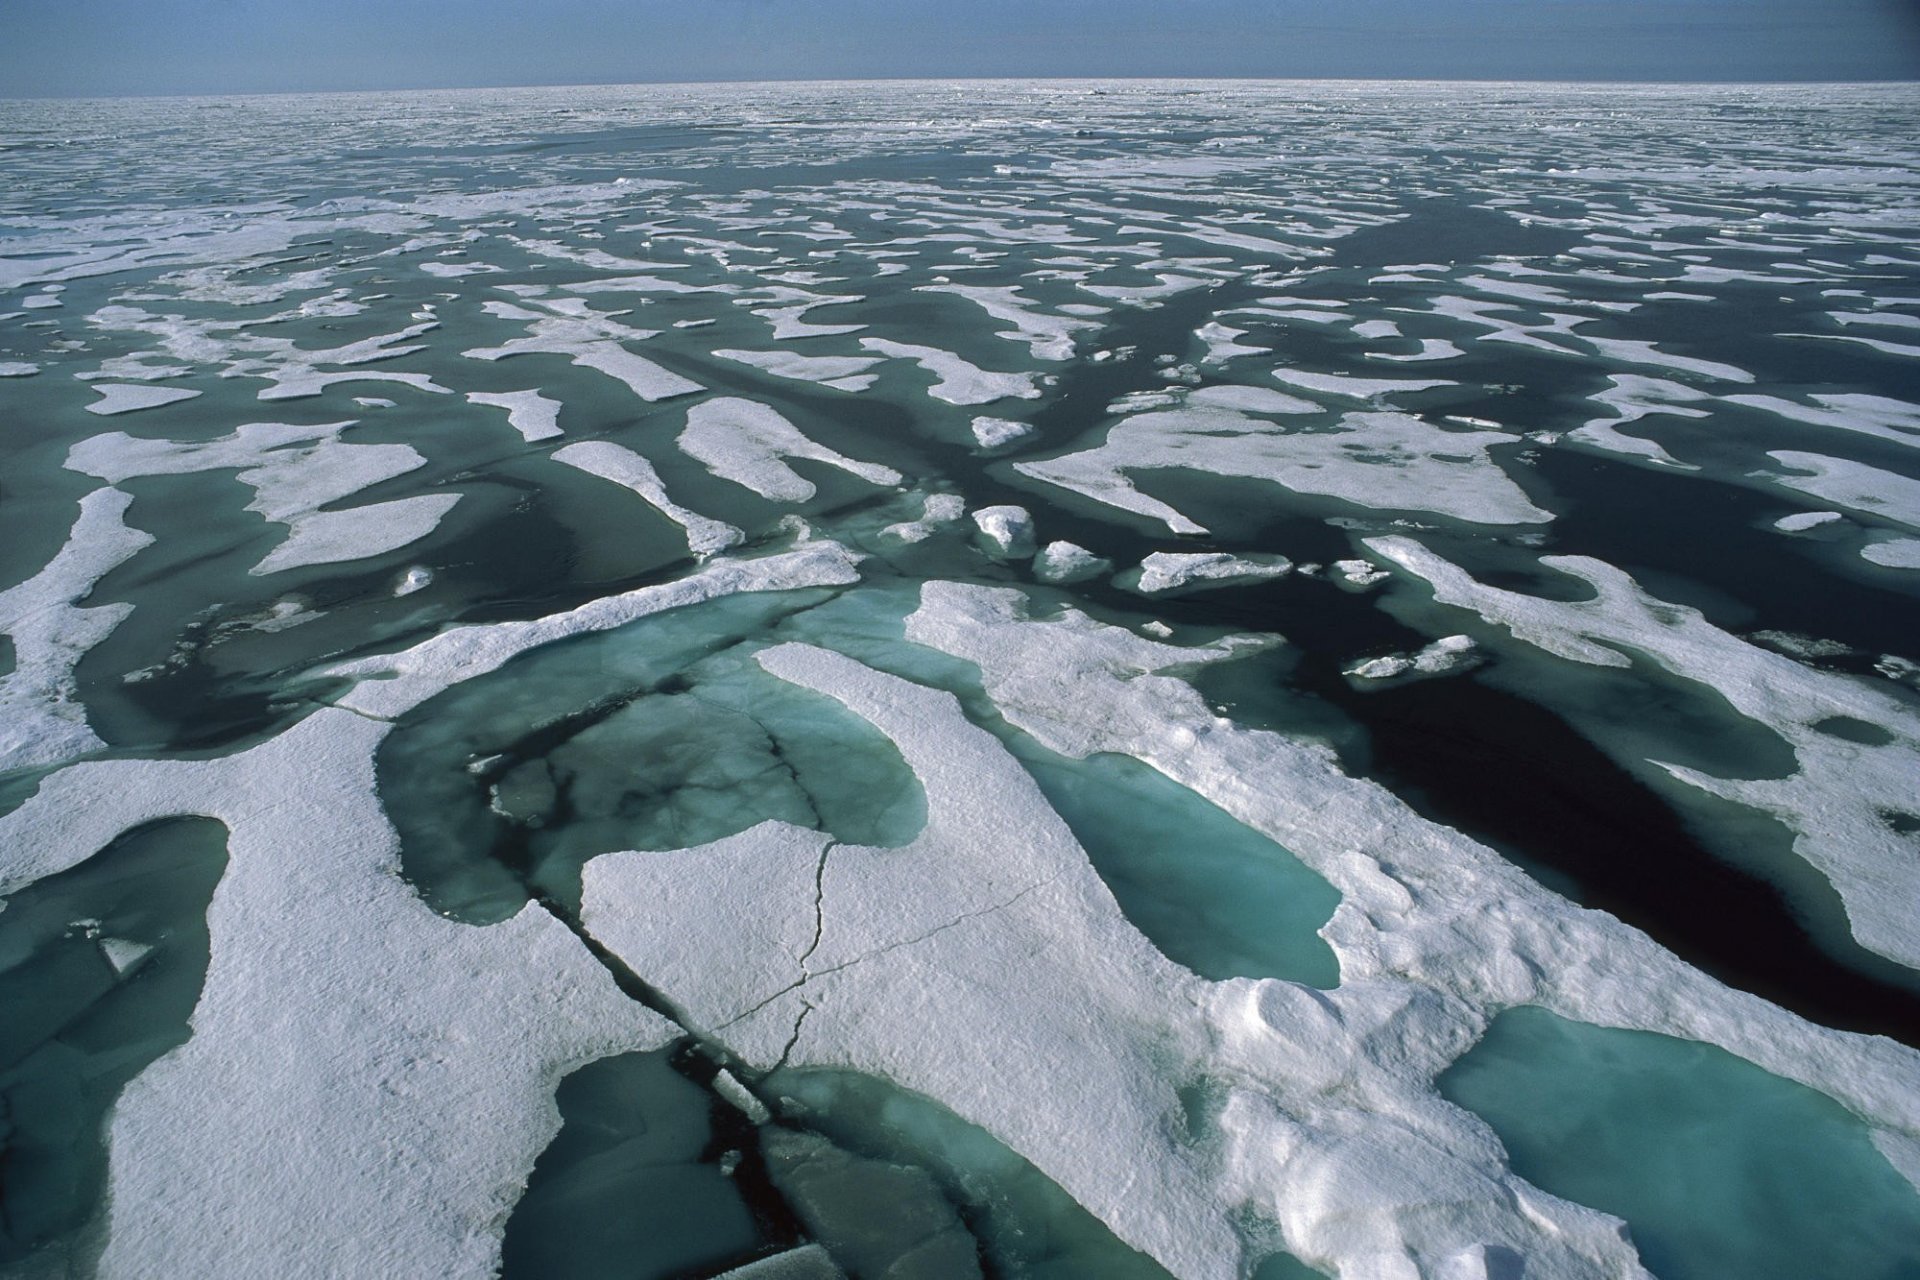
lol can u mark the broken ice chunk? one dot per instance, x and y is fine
(1164, 572)
(1007, 529)
(1062, 562)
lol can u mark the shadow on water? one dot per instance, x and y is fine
(100, 968)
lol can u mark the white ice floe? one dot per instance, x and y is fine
(624, 467)
(938, 511)
(998, 433)
(1007, 530)
(591, 340)
(992, 926)
(1449, 653)
(1630, 351)
(1352, 388)
(1221, 346)
(1893, 553)
(1251, 400)
(42, 720)
(1064, 562)
(1358, 575)
(1173, 572)
(18, 369)
(417, 578)
(534, 416)
(1837, 800)
(1633, 397)
(1852, 485)
(120, 397)
(293, 471)
(1801, 521)
(960, 381)
(1168, 285)
(1888, 419)
(1048, 336)
(1385, 461)
(842, 373)
(746, 442)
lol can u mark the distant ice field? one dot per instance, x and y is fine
(996, 679)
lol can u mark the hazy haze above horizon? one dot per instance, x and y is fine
(104, 47)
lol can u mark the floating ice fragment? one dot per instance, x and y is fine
(1008, 530)
(960, 381)
(534, 416)
(120, 397)
(1450, 653)
(997, 433)
(939, 509)
(745, 442)
(842, 373)
(1166, 572)
(1893, 553)
(624, 467)
(1380, 460)
(1064, 562)
(17, 369)
(1801, 521)
(1335, 384)
(1358, 575)
(417, 578)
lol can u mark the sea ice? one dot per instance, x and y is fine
(624, 467)
(842, 373)
(592, 340)
(997, 433)
(1853, 485)
(1064, 562)
(1893, 553)
(1386, 461)
(745, 442)
(42, 721)
(119, 397)
(1835, 801)
(1008, 530)
(1801, 521)
(533, 415)
(1174, 572)
(1335, 384)
(293, 471)
(960, 381)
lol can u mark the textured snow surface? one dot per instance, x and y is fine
(623, 466)
(368, 1084)
(1326, 1122)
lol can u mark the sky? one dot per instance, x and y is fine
(51, 48)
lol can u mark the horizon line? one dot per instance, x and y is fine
(720, 82)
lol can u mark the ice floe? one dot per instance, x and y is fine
(624, 467)
(1853, 485)
(842, 373)
(534, 416)
(42, 720)
(1064, 562)
(1007, 530)
(120, 397)
(1386, 461)
(591, 340)
(960, 381)
(998, 433)
(294, 471)
(1352, 388)
(1175, 572)
(746, 442)
(1449, 653)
